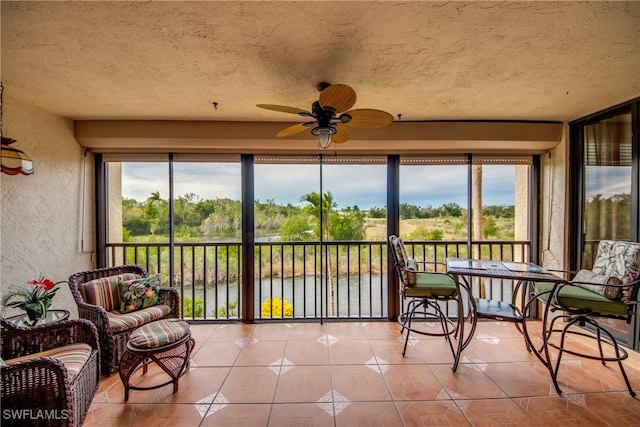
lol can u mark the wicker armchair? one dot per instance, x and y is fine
(38, 389)
(114, 328)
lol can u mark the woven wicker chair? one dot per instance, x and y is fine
(113, 339)
(40, 390)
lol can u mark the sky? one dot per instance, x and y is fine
(350, 185)
(607, 180)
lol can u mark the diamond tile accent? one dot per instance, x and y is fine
(327, 340)
(578, 399)
(339, 402)
(443, 395)
(218, 403)
(373, 365)
(326, 403)
(202, 405)
(464, 404)
(281, 366)
(481, 366)
(483, 336)
(412, 341)
(493, 340)
(454, 395)
(331, 401)
(451, 404)
(287, 365)
(572, 362)
(248, 340)
(383, 365)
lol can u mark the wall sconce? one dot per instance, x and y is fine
(14, 161)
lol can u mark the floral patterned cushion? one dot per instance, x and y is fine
(598, 283)
(406, 264)
(619, 260)
(105, 291)
(139, 293)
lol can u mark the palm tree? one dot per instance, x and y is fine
(313, 209)
(151, 211)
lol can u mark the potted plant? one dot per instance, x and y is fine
(35, 302)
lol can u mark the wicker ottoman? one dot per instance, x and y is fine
(167, 343)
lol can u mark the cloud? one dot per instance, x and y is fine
(350, 185)
(607, 181)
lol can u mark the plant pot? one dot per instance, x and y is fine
(33, 316)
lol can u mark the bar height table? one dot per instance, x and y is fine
(522, 273)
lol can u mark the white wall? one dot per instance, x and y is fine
(554, 206)
(42, 214)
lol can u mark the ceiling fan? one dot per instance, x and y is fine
(332, 116)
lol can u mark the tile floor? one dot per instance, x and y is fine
(352, 374)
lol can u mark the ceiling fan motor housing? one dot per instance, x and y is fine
(324, 115)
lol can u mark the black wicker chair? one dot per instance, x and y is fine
(113, 340)
(38, 389)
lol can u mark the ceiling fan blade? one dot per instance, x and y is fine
(292, 130)
(339, 97)
(284, 109)
(342, 135)
(369, 118)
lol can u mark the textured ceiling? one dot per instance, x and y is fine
(424, 60)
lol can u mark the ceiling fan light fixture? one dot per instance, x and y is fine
(323, 135)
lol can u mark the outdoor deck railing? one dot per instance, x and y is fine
(299, 280)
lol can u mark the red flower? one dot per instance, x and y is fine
(38, 299)
(45, 284)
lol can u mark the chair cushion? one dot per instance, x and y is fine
(431, 285)
(119, 322)
(139, 293)
(596, 282)
(404, 262)
(577, 297)
(105, 291)
(160, 333)
(412, 265)
(73, 356)
(619, 259)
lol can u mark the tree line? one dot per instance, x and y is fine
(198, 218)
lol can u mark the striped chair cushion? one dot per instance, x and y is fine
(105, 291)
(124, 322)
(160, 333)
(73, 356)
